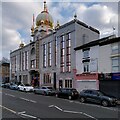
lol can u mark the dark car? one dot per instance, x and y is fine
(69, 93)
(6, 85)
(97, 96)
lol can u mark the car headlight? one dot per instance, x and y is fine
(110, 99)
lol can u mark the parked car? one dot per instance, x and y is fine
(25, 87)
(13, 86)
(6, 85)
(69, 93)
(97, 96)
(45, 90)
(2, 84)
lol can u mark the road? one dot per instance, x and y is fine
(16, 104)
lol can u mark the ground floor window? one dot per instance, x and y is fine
(68, 83)
(47, 78)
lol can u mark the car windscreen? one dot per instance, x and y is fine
(50, 88)
(27, 85)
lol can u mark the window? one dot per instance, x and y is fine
(55, 51)
(23, 60)
(16, 63)
(115, 64)
(86, 54)
(33, 51)
(49, 54)
(62, 54)
(68, 53)
(115, 48)
(47, 78)
(26, 60)
(86, 66)
(44, 56)
(33, 63)
(68, 83)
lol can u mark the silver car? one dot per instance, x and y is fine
(45, 90)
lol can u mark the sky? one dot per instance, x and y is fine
(16, 18)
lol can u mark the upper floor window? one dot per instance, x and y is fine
(33, 51)
(86, 67)
(55, 51)
(33, 63)
(49, 54)
(44, 55)
(115, 48)
(86, 54)
(115, 64)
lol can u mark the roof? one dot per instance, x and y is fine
(62, 26)
(80, 23)
(100, 42)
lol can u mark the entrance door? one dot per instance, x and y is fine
(60, 83)
(54, 80)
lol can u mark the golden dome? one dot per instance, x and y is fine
(44, 18)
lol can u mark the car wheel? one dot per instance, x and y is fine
(35, 92)
(69, 97)
(25, 90)
(104, 103)
(82, 99)
(45, 93)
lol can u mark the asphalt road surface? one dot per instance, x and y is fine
(19, 105)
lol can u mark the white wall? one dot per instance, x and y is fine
(94, 55)
(79, 65)
(105, 59)
(101, 59)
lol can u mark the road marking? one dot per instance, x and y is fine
(8, 109)
(21, 112)
(30, 116)
(58, 108)
(67, 111)
(32, 101)
(50, 105)
(9, 95)
(89, 116)
(80, 113)
(24, 99)
(55, 107)
(26, 115)
(28, 100)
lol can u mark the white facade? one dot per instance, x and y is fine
(100, 57)
(105, 59)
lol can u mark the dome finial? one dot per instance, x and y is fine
(32, 28)
(75, 16)
(45, 6)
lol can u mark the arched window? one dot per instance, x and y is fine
(32, 51)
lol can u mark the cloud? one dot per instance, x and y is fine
(17, 18)
(99, 16)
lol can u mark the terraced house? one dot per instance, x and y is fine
(49, 58)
